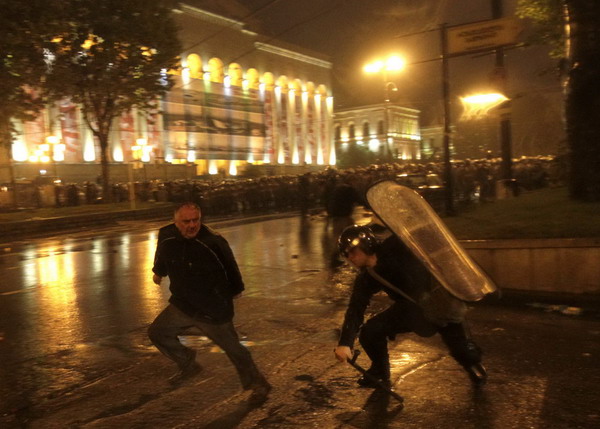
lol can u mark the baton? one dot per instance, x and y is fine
(372, 378)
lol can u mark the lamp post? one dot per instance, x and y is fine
(391, 64)
(505, 125)
(55, 151)
(138, 153)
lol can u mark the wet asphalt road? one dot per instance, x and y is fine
(74, 309)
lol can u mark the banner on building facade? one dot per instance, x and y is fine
(282, 120)
(215, 122)
(69, 128)
(127, 134)
(270, 134)
(34, 133)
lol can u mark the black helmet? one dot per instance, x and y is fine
(357, 236)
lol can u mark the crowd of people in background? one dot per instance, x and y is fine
(473, 181)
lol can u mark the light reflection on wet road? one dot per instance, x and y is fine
(74, 350)
(63, 296)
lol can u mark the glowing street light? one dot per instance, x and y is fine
(485, 99)
(479, 105)
(393, 63)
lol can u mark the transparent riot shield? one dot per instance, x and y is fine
(413, 220)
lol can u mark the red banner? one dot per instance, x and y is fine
(69, 126)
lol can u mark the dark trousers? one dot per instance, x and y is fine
(403, 318)
(171, 322)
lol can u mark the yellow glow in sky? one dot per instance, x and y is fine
(393, 63)
(479, 105)
(493, 98)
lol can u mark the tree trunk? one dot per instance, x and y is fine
(6, 163)
(582, 99)
(104, 162)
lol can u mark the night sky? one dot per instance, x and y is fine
(354, 32)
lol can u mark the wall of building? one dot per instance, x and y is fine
(366, 126)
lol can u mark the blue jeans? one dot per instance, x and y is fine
(171, 322)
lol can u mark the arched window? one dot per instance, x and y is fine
(338, 133)
(215, 68)
(366, 132)
(282, 82)
(269, 80)
(194, 63)
(380, 129)
(253, 78)
(351, 133)
(235, 74)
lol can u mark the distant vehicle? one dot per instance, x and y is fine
(429, 185)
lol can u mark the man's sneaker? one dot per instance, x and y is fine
(191, 370)
(477, 374)
(260, 392)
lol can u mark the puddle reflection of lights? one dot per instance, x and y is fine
(403, 359)
(124, 254)
(97, 255)
(57, 295)
(194, 341)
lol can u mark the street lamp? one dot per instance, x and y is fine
(52, 150)
(140, 154)
(393, 63)
(478, 105)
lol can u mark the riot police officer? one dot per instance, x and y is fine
(385, 263)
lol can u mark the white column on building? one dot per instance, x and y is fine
(87, 140)
(304, 136)
(318, 134)
(277, 137)
(291, 121)
(329, 130)
(115, 138)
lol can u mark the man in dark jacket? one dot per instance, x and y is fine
(204, 280)
(390, 266)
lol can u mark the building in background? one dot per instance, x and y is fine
(387, 130)
(432, 142)
(239, 99)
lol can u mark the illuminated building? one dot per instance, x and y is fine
(366, 126)
(239, 98)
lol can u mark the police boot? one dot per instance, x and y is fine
(477, 374)
(375, 375)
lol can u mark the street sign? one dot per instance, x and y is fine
(483, 35)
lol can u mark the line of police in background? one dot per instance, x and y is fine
(474, 181)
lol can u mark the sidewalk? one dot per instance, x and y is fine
(38, 226)
(41, 226)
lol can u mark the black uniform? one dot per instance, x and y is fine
(397, 264)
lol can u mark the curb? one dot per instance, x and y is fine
(35, 228)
